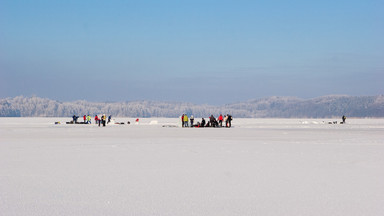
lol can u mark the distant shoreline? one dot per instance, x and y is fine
(273, 107)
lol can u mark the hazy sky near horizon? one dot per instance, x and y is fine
(202, 51)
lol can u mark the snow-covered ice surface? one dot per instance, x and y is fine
(258, 167)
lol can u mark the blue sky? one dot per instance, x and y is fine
(210, 51)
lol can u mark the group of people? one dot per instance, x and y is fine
(212, 122)
(185, 120)
(102, 120)
(87, 119)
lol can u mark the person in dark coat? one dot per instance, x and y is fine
(212, 121)
(343, 118)
(229, 120)
(202, 124)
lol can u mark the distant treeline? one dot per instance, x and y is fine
(272, 107)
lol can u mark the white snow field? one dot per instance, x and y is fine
(258, 167)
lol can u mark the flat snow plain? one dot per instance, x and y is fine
(258, 167)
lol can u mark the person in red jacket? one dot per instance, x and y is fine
(85, 118)
(220, 120)
(97, 119)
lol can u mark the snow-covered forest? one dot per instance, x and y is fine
(272, 107)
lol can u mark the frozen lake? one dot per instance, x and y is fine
(258, 167)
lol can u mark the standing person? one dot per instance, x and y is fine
(109, 118)
(185, 120)
(84, 118)
(182, 120)
(104, 119)
(212, 121)
(89, 119)
(226, 120)
(100, 119)
(96, 119)
(74, 119)
(343, 118)
(221, 120)
(229, 120)
(191, 119)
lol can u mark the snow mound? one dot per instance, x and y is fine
(154, 122)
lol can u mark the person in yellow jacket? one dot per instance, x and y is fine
(185, 120)
(104, 119)
(89, 119)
